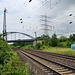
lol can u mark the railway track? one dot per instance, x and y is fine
(62, 58)
(70, 57)
(49, 66)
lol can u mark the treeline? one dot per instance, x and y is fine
(10, 63)
(21, 44)
(47, 41)
(56, 42)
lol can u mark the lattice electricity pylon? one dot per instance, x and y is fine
(46, 26)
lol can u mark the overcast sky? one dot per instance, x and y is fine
(30, 12)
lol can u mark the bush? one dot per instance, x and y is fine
(43, 47)
(10, 63)
(68, 44)
(28, 46)
(14, 66)
(60, 44)
(38, 45)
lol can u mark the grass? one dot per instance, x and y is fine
(68, 51)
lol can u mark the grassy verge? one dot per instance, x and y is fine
(68, 51)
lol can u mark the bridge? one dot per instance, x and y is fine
(20, 40)
(5, 34)
(28, 38)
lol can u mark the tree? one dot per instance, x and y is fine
(21, 44)
(63, 38)
(54, 40)
(44, 37)
(72, 37)
(68, 44)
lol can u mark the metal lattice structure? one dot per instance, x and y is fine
(5, 33)
(4, 26)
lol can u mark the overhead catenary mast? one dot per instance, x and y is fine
(4, 26)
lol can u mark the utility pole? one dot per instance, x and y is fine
(35, 35)
(4, 26)
(46, 26)
(35, 42)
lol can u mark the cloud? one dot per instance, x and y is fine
(31, 15)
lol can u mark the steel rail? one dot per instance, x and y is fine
(52, 61)
(55, 63)
(58, 55)
(55, 72)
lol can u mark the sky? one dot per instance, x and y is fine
(57, 12)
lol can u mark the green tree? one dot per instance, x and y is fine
(54, 40)
(68, 44)
(45, 40)
(72, 37)
(21, 44)
(63, 38)
(44, 37)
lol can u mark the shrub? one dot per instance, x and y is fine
(68, 44)
(38, 45)
(43, 47)
(10, 63)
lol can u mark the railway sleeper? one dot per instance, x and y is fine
(67, 72)
(50, 73)
(45, 66)
(72, 74)
(59, 68)
(64, 70)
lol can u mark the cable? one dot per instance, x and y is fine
(43, 4)
(55, 4)
(38, 7)
(22, 9)
(20, 14)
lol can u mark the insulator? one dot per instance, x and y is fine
(22, 22)
(21, 19)
(70, 15)
(30, 0)
(70, 22)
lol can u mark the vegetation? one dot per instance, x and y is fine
(54, 42)
(68, 51)
(10, 63)
(48, 42)
(21, 44)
